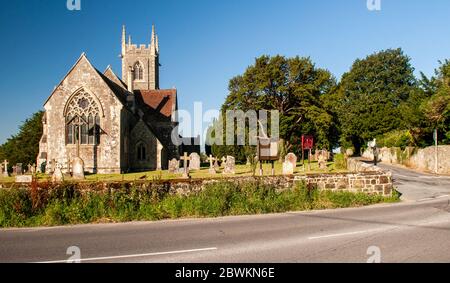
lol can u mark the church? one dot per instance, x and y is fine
(115, 125)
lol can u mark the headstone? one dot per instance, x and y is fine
(194, 161)
(185, 159)
(212, 168)
(24, 179)
(174, 166)
(77, 168)
(33, 169)
(29, 169)
(288, 168)
(19, 169)
(230, 165)
(57, 176)
(291, 158)
(322, 160)
(14, 170)
(5, 168)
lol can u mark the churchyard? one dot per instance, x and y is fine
(241, 170)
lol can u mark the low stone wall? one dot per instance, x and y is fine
(369, 182)
(366, 182)
(419, 159)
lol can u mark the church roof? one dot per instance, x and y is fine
(109, 73)
(161, 100)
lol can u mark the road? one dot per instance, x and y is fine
(418, 186)
(417, 230)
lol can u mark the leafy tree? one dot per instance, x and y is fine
(24, 147)
(293, 86)
(376, 97)
(437, 108)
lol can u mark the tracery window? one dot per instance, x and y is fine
(138, 71)
(83, 120)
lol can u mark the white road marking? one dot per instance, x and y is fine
(348, 234)
(135, 255)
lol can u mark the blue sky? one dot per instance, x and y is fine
(203, 43)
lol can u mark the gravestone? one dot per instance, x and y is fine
(33, 169)
(185, 159)
(57, 176)
(24, 179)
(322, 160)
(78, 168)
(19, 169)
(288, 168)
(230, 165)
(29, 169)
(5, 168)
(291, 158)
(174, 166)
(194, 161)
(14, 170)
(212, 168)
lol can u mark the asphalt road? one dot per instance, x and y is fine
(414, 231)
(418, 186)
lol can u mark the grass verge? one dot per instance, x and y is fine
(70, 204)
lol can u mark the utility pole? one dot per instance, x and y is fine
(436, 151)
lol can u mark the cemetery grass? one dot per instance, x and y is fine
(67, 204)
(241, 171)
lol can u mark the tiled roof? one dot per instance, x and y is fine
(162, 101)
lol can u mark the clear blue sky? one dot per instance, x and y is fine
(203, 43)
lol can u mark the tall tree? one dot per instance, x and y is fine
(24, 147)
(373, 97)
(437, 108)
(293, 86)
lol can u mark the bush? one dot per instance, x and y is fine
(340, 162)
(73, 204)
(401, 139)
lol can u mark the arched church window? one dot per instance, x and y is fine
(138, 71)
(82, 120)
(141, 152)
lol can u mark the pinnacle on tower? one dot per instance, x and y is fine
(124, 40)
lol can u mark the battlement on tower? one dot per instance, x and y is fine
(143, 48)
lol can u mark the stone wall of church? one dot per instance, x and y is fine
(141, 136)
(104, 158)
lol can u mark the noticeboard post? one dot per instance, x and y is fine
(307, 144)
(267, 151)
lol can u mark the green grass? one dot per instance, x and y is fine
(71, 204)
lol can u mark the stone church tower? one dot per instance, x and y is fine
(114, 125)
(141, 62)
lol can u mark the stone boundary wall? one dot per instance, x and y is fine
(371, 183)
(379, 183)
(420, 159)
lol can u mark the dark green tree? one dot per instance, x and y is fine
(24, 147)
(376, 97)
(437, 107)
